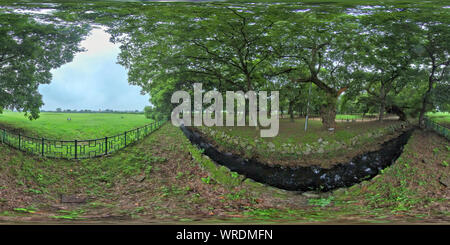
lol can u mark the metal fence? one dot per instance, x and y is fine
(77, 149)
(438, 128)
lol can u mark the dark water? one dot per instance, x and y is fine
(300, 178)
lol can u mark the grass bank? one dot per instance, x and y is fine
(164, 179)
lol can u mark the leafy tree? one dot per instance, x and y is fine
(148, 110)
(386, 56)
(434, 59)
(151, 113)
(375, 58)
(223, 48)
(318, 49)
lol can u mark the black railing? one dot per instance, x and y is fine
(77, 149)
(438, 128)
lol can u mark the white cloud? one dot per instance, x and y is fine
(97, 43)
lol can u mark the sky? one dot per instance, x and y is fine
(93, 80)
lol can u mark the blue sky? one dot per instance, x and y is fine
(93, 80)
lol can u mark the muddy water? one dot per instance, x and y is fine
(362, 167)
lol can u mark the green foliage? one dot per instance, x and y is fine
(25, 210)
(322, 202)
(206, 180)
(378, 57)
(69, 214)
(148, 112)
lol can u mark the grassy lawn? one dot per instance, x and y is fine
(367, 116)
(82, 125)
(349, 117)
(442, 118)
(294, 132)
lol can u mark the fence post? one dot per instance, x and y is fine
(106, 145)
(42, 146)
(138, 134)
(4, 136)
(125, 138)
(19, 141)
(76, 149)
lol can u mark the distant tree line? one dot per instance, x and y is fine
(59, 110)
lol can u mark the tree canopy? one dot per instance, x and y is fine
(362, 57)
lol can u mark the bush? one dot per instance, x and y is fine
(149, 111)
(153, 113)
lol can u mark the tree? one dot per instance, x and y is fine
(222, 48)
(386, 57)
(293, 97)
(28, 51)
(318, 49)
(148, 110)
(434, 59)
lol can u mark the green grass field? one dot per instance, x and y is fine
(82, 126)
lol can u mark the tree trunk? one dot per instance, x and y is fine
(381, 112)
(425, 103)
(422, 115)
(328, 112)
(397, 111)
(291, 110)
(426, 98)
